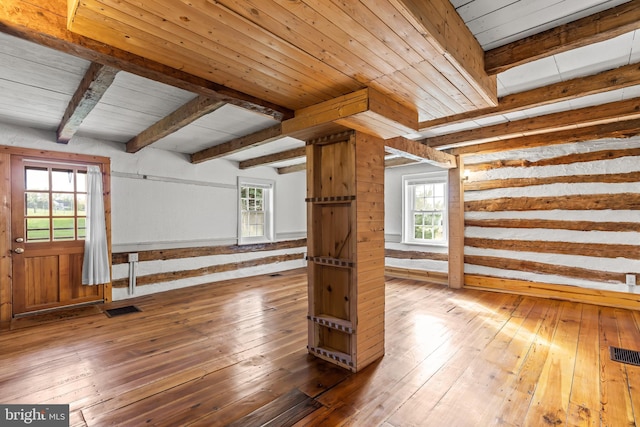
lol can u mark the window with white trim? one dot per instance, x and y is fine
(424, 218)
(255, 210)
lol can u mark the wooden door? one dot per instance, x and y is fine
(48, 212)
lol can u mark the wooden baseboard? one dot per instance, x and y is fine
(551, 291)
(423, 275)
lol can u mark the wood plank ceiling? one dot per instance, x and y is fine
(301, 53)
(225, 78)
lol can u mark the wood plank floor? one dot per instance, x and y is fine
(233, 353)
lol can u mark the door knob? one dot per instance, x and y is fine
(19, 250)
(19, 239)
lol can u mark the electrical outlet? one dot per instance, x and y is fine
(134, 258)
(631, 279)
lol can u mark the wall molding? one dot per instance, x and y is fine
(421, 275)
(127, 175)
(550, 291)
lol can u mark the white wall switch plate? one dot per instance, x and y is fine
(631, 279)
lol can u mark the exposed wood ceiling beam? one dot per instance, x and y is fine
(365, 110)
(582, 32)
(45, 23)
(292, 169)
(398, 161)
(419, 152)
(605, 113)
(188, 113)
(618, 78)
(294, 153)
(238, 144)
(623, 129)
(444, 29)
(93, 85)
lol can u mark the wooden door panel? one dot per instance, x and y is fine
(41, 285)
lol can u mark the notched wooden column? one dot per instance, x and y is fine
(345, 192)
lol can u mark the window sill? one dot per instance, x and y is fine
(435, 244)
(253, 241)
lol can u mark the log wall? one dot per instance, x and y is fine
(161, 270)
(564, 215)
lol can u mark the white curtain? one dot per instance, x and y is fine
(95, 267)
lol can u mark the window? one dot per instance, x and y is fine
(55, 203)
(425, 208)
(256, 210)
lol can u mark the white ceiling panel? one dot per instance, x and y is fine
(611, 53)
(224, 124)
(529, 76)
(597, 99)
(282, 144)
(501, 22)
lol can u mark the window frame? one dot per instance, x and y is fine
(51, 190)
(408, 185)
(268, 208)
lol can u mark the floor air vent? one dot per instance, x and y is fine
(631, 357)
(113, 312)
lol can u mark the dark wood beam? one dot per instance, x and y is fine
(617, 78)
(94, 84)
(294, 153)
(188, 113)
(582, 32)
(600, 114)
(238, 144)
(293, 168)
(419, 152)
(45, 23)
(623, 129)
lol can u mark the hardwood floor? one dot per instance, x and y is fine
(234, 353)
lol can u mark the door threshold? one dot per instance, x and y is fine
(56, 309)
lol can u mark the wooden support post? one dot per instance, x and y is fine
(456, 225)
(345, 240)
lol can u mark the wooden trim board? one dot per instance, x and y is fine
(552, 291)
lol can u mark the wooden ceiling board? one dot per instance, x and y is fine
(257, 48)
(188, 55)
(298, 54)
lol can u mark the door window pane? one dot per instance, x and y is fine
(81, 178)
(63, 204)
(37, 179)
(62, 180)
(38, 229)
(36, 204)
(81, 204)
(81, 228)
(63, 229)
